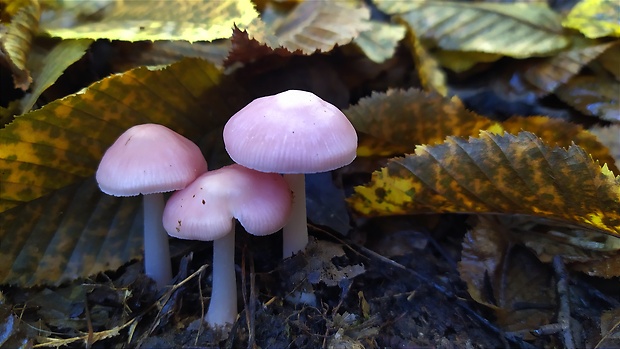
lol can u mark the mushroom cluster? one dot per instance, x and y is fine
(291, 133)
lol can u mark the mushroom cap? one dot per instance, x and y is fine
(290, 132)
(205, 209)
(149, 159)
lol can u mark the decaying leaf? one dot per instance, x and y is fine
(608, 135)
(502, 276)
(517, 30)
(593, 95)
(398, 120)
(63, 142)
(595, 18)
(497, 174)
(609, 60)
(564, 134)
(77, 231)
(16, 41)
(557, 70)
(188, 20)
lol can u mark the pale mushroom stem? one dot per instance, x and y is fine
(295, 232)
(223, 305)
(156, 251)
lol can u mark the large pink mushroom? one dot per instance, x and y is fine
(206, 210)
(151, 159)
(293, 132)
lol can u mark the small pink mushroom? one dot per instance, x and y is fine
(293, 132)
(206, 210)
(151, 159)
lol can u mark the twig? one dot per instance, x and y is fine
(564, 318)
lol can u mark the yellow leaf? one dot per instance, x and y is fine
(63, 142)
(432, 77)
(497, 174)
(595, 18)
(459, 62)
(56, 224)
(518, 30)
(188, 20)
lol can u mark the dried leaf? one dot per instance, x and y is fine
(609, 60)
(497, 174)
(188, 20)
(595, 18)
(557, 70)
(313, 26)
(564, 134)
(77, 231)
(501, 276)
(398, 120)
(518, 30)
(15, 43)
(609, 137)
(593, 95)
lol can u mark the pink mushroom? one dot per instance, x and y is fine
(206, 210)
(151, 159)
(293, 132)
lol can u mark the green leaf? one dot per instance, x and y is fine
(595, 18)
(497, 174)
(51, 67)
(188, 20)
(518, 30)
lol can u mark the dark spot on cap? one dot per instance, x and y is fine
(203, 202)
(380, 192)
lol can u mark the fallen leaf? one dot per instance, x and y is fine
(497, 174)
(188, 20)
(592, 95)
(595, 18)
(517, 30)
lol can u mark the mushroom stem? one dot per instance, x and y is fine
(223, 305)
(156, 251)
(295, 232)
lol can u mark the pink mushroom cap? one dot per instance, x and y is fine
(205, 209)
(290, 132)
(149, 159)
